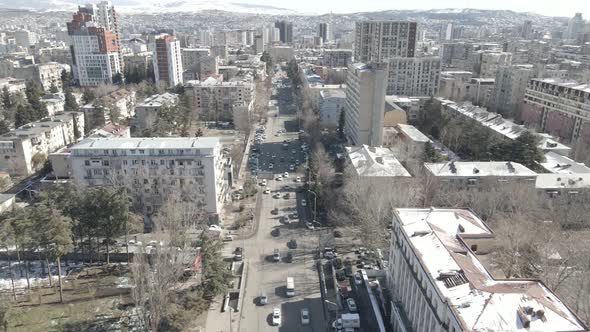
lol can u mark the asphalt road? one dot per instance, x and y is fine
(264, 275)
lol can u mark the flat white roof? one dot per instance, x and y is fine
(375, 161)
(478, 169)
(158, 100)
(147, 143)
(548, 143)
(491, 120)
(563, 181)
(558, 164)
(481, 302)
(566, 84)
(413, 133)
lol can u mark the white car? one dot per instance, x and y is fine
(277, 195)
(263, 183)
(298, 179)
(270, 166)
(215, 228)
(276, 316)
(263, 299)
(266, 191)
(279, 178)
(303, 202)
(305, 316)
(286, 174)
(358, 279)
(291, 167)
(309, 225)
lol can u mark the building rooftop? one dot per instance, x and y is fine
(478, 169)
(374, 161)
(565, 83)
(38, 127)
(147, 143)
(563, 181)
(158, 100)
(333, 93)
(110, 130)
(413, 133)
(559, 164)
(549, 143)
(480, 302)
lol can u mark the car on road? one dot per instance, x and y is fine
(266, 191)
(305, 316)
(263, 183)
(274, 211)
(279, 178)
(263, 299)
(277, 195)
(292, 244)
(358, 279)
(351, 305)
(276, 316)
(228, 238)
(270, 166)
(303, 202)
(276, 256)
(238, 254)
(286, 174)
(215, 228)
(298, 179)
(291, 167)
(309, 225)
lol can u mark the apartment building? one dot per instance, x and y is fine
(365, 103)
(378, 41)
(146, 112)
(153, 168)
(510, 86)
(413, 76)
(192, 57)
(560, 108)
(453, 84)
(96, 49)
(488, 62)
(24, 150)
(336, 58)
(332, 103)
(45, 75)
(116, 106)
(167, 61)
(216, 100)
(479, 174)
(370, 161)
(439, 284)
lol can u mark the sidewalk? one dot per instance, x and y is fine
(218, 321)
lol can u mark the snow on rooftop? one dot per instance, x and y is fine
(478, 169)
(481, 302)
(147, 143)
(375, 161)
(558, 164)
(413, 133)
(566, 84)
(563, 181)
(491, 120)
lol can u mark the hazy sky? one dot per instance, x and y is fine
(544, 7)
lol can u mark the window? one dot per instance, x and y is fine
(87, 162)
(474, 247)
(106, 163)
(146, 181)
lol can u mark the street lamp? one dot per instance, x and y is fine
(315, 197)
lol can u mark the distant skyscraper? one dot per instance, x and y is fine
(325, 31)
(379, 41)
(575, 26)
(527, 29)
(95, 44)
(285, 30)
(167, 60)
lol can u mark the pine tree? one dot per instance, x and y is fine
(88, 96)
(22, 116)
(6, 100)
(53, 88)
(341, 123)
(71, 105)
(33, 93)
(3, 127)
(199, 132)
(66, 78)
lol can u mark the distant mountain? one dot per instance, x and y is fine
(151, 6)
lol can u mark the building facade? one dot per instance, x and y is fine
(378, 41)
(153, 168)
(146, 112)
(332, 103)
(365, 103)
(413, 76)
(510, 86)
(216, 100)
(336, 58)
(167, 61)
(96, 49)
(24, 150)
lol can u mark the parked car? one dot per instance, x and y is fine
(351, 305)
(292, 244)
(276, 316)
(238, 254)
(266, 191)
(303, 202)
(275, 211)
(358, 279)
(305, 316)
(298, 179)
(263, 299)
(289, 258)
(228, 237)
(338, 233)
(276, 257)
(309, 225)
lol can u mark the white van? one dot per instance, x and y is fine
(290, 290)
